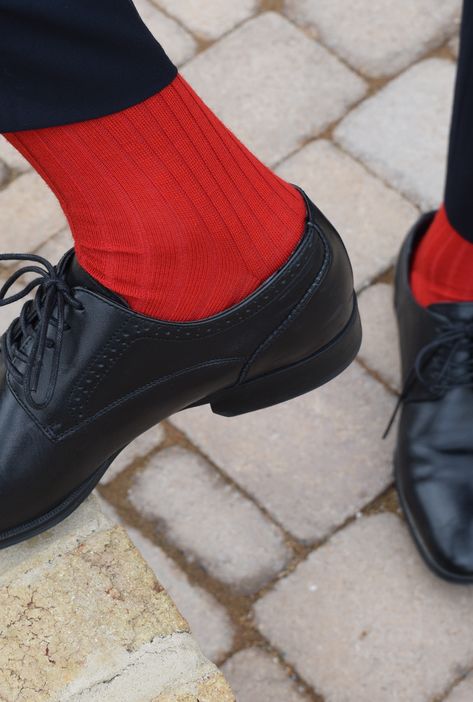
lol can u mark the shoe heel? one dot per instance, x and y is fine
(296, 379)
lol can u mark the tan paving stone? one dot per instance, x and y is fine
(29, 214)
(401, 133)
(138, 448)
(212, 18)
(209, 520)
(209, 622)
(178, 44)
(14, 160)
(378, 41)
(380, 347)
(371, 218)
(311, 462)
(364, 619)
(273, 85)
(255, 676)
(83, 619)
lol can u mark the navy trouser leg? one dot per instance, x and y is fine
(64, 61)
(459, 187)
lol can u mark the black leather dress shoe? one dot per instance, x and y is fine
(434, 455)
(81, 375)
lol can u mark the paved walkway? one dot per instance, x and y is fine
(278, 533)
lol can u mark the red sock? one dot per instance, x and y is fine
(442, 269)
(167, 207)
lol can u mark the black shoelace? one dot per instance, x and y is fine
(444, 363)
(45, 312)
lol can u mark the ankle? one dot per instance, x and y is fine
(442, 264)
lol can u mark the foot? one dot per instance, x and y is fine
(81, 375)
(434, 455)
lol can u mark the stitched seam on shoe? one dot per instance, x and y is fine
(57, 437)
(295, 312)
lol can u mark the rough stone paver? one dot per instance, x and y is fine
(371, 218)
(14, 160)
(256, 676)
(401, 133)
(379, 349)
(29, 214)
(311, 462)
(363, 619)
(378, 40)
(209, 622)
(273, 85)
(138, 448)
(178, 44)
(463, 692)
(212, 18)
(209, 520)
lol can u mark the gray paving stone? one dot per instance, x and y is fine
(12, 157)
(255, 676)
(401, 133)
(381, 42)
(371, 218)
(209, 520)
(212, 18)
(29, 214)
(462, 692)
(138, 448)
(364, 619)
(178, 44)
(209, 621)
(273, 85)
(379, 349)
(311, 462)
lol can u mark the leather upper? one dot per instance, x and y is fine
(121, 372)
(434, 458)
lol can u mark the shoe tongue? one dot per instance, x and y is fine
(77, 277)
(454, 311)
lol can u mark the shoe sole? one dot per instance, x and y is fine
(265, 391)
(426, 555)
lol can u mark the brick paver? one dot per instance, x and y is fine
(212, 18)
(273, 85)
(346, 601)
(401, 132)
(138, 448)
(379, 350)
(378, 40)
(29, 214)
(363, 619)
(372, 218)
(176, 41)
(463, 692)
(12, 157)
(311, 462)
(256, 676)
(209, 622)
(209, 520)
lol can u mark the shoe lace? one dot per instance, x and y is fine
(46, 311)
(444, 363)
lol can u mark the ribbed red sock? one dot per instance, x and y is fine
(442, 269)
(166, 206)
